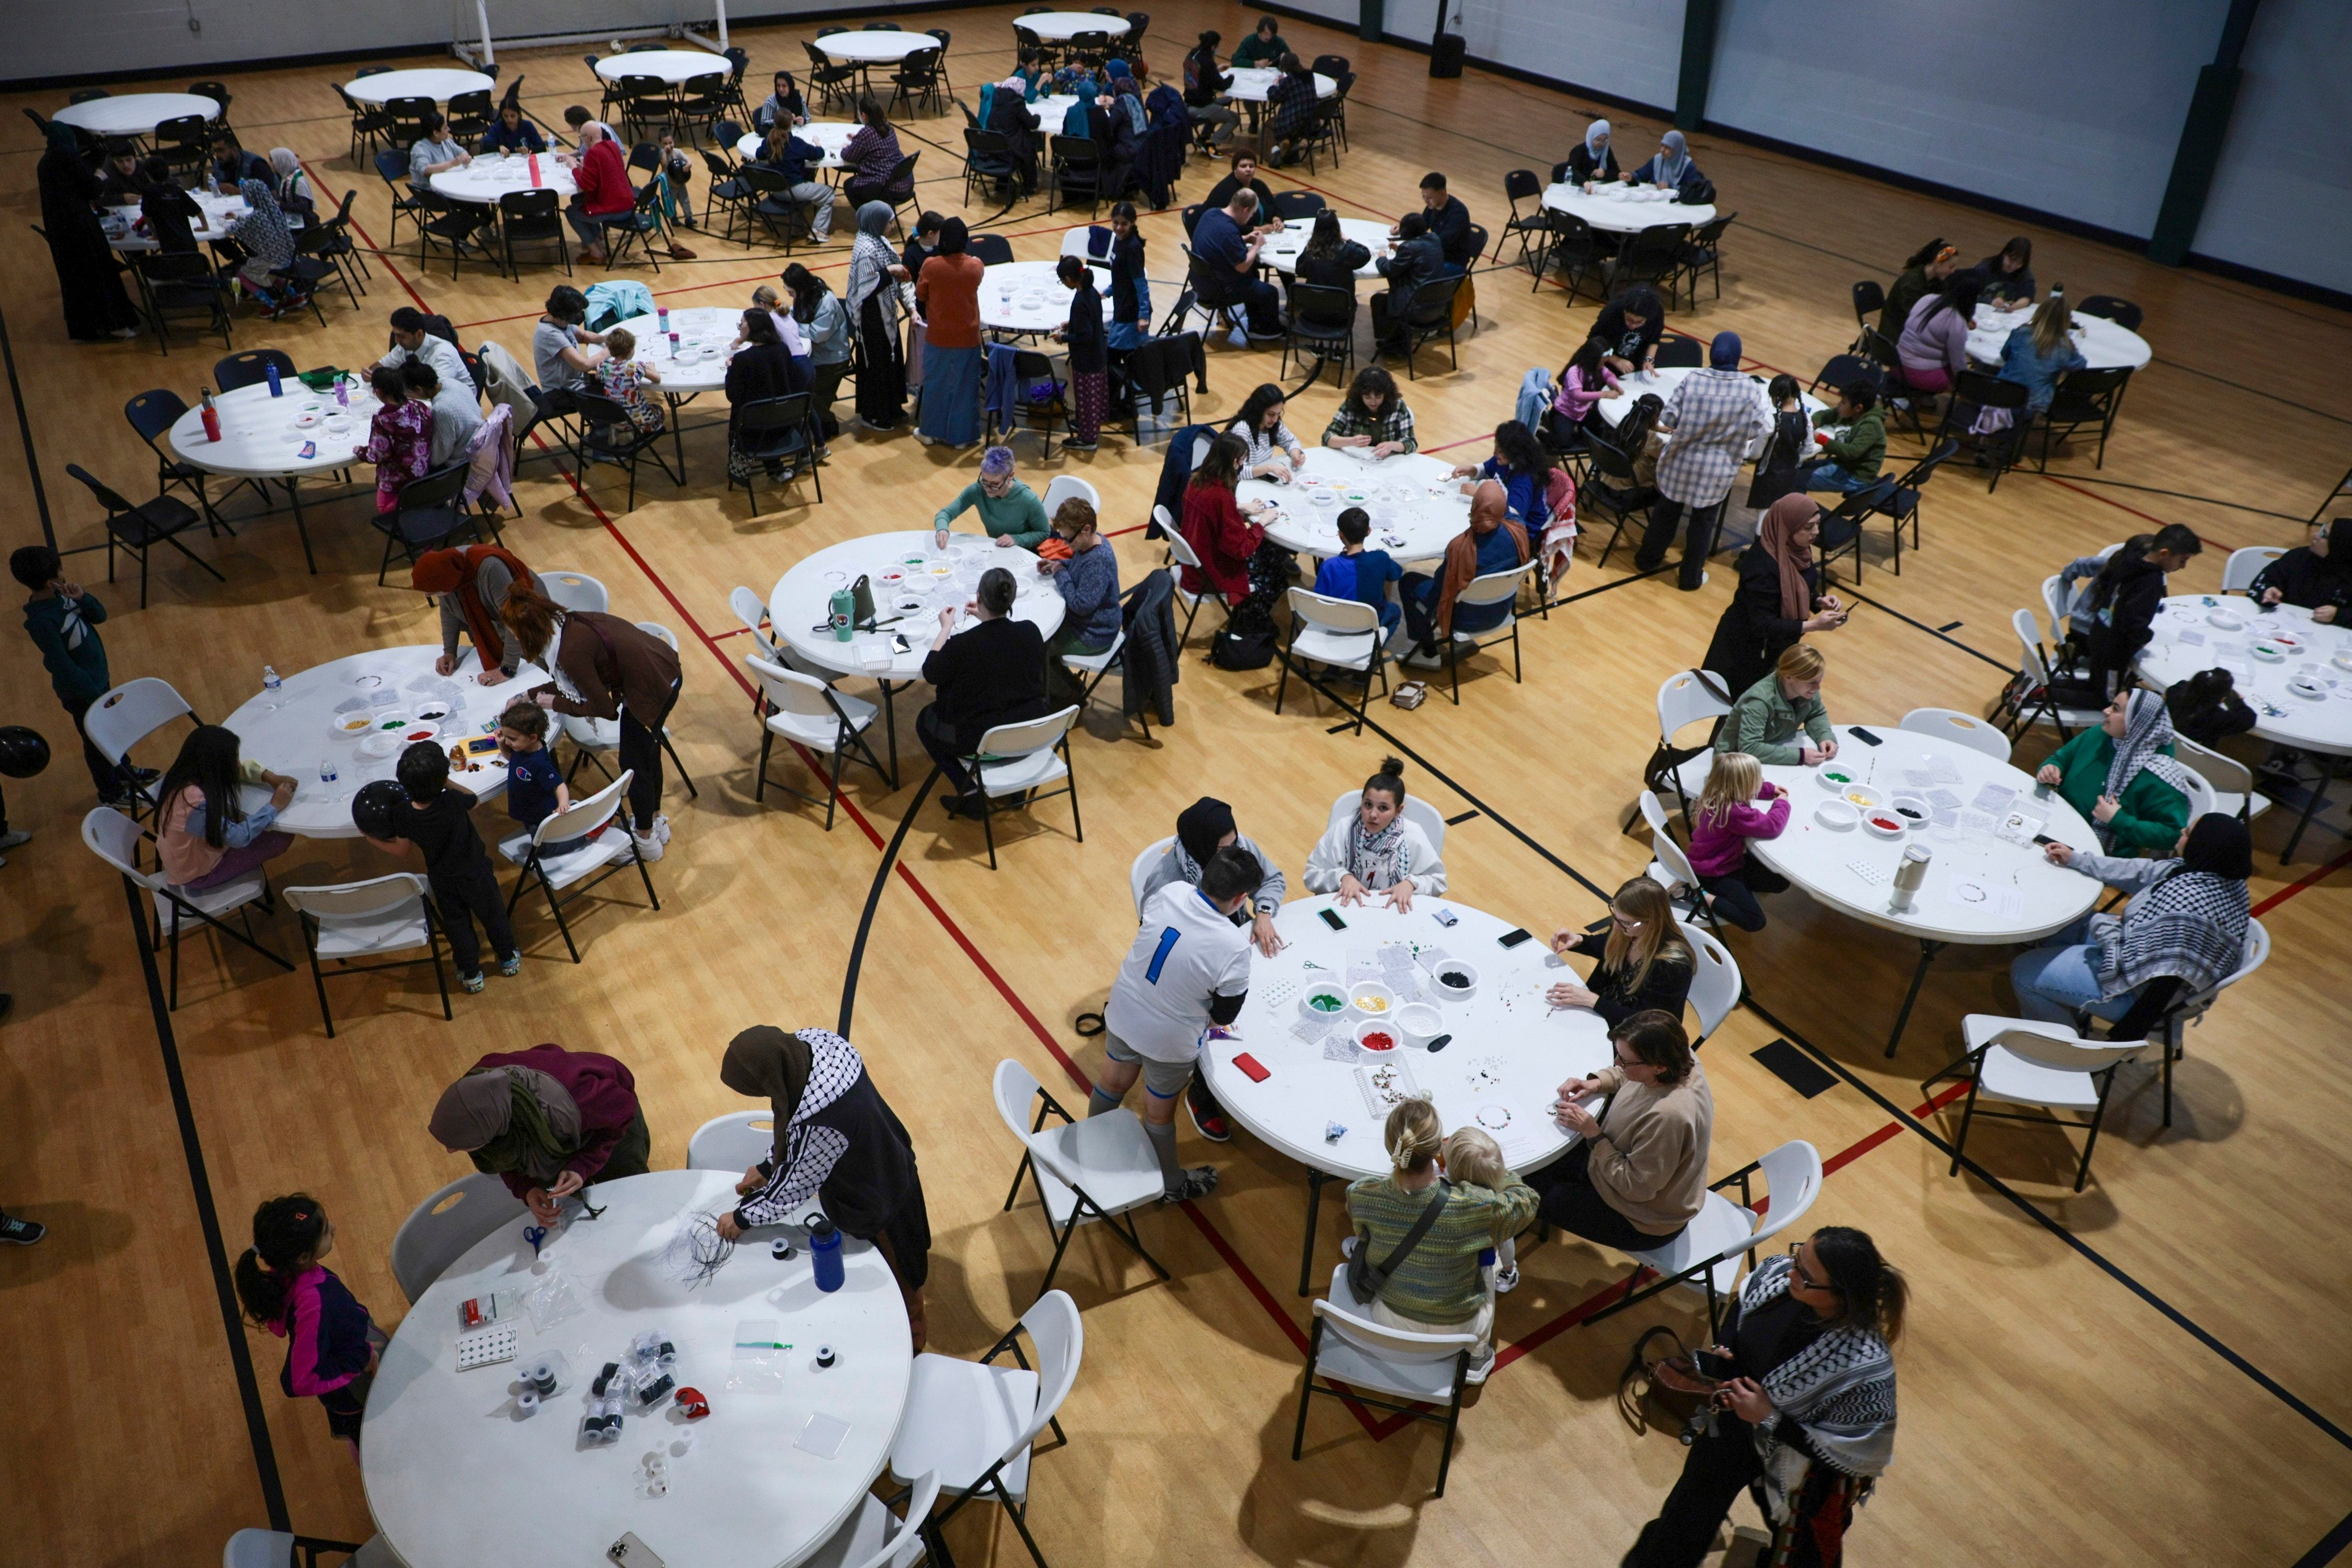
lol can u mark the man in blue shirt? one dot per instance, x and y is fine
(1359, 573)
(1229, 252)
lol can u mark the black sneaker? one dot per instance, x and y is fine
(25, 1232)
(1198, 1183)
(1208, 1116)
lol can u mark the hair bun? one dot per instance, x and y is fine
(1392, 765)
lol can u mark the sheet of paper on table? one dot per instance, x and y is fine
(2008, 903)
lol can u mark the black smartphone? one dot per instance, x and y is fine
(898, 643)
(1859, 734)
(481, 744)
(2043, 838)
(1713, 1366)
(1513, 938)
(1331, 918)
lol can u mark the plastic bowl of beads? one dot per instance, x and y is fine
(1862, 796)
(352, 726)
(1322, 1001)
(418, 731)
(381, 745)
(2307, 686)
(1455, 981)
(1837, 816)
(1833, 780)
(2344, 660)
(1377, 1035)
(1913, 811)
(2227, 620)
(1370, 999)
(2268, 652)
(1882, 822)
(1419, 1022)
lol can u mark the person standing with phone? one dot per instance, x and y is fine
(1809, 1410)
(1188, 969)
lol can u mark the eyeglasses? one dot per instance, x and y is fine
(1796, 1268)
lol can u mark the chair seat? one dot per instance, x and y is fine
(230, 895)
(1469, 638)
(1344, 650)
(1383, 1370)
(154, 519)
(2006, 1075)
(1321, 333)
(960, 1416)
(390, 931)
(2230, 802)
(1092, 663)
(1039, 768)
(568, 867)
(823, 730)
(1720, 1225)
(1111, 1156)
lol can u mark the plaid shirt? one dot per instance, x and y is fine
(1392, 423)
(1292, 99)
(1716, 415)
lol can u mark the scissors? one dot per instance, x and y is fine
(535, 1234)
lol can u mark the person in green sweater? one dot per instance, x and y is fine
(1850, 443)
(1780, 720)
(1437, 1288)
(62, 620)
(1009, 510)
(1264, 46)
(2122, 777)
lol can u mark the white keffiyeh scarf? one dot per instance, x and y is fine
(1839, 1389)
(1378, 860)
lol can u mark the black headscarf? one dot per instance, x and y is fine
(955, 238)
(2218, 846)
(1203, 825)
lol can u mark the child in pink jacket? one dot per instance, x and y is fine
(1727, 816)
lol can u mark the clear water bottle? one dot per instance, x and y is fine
(327, 770)
(269, 681)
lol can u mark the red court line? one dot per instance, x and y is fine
(2308, 879)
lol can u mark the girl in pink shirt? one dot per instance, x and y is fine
(1725, 817)
(332, 1344)
(1584, 381)
(400, 437)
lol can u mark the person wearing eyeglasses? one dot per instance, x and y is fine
(1642, 961)
(1637, 1176)
(1807, 1411)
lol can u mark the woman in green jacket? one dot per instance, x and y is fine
(2122, 777)
(1009, 510)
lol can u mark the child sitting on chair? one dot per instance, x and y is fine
(1473, 1158)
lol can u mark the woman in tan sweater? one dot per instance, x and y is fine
(1638, 1174)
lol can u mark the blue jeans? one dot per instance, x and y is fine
(2057, 980)
(1830, 477)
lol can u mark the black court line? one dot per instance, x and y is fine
(1458, 821)
(1933, 632)
(1948, 627)
(2331, 1546)
(2183, 495)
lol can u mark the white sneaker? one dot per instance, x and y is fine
(649, 847)
(661, 829)
(10, 840)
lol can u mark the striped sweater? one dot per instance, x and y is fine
(1439, 1282)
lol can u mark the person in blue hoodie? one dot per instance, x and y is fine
(1359, 573)
(62, 620)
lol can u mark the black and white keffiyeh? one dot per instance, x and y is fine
(1839, 1389)
(2188, 924)
(1378, 860)
(2148, 730)
(804, 1155)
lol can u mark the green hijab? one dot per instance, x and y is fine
(498, 1115)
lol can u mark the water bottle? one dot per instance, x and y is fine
(269, 681)
(673, 345)
(343, 391)
(1910, 874)
(824, 1251)
(276, 389)
(210, 414)
(661, 318)
(327, 770)
(844, 610)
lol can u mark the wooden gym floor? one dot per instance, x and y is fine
(2141, 1372)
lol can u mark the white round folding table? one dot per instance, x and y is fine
(1026, 296)
(491, 175)
(912, 582)
(263, 438)
(879, 46)
(1663, 381)
(2102, 344)
(2301, 698)
(456, 1477)
(1282, 245)
(1061, 26)
(438, 83)
(1620, 209)
(696, 365)
(358, 713)
(1417, 507)
(832, 136)
(1988, 883)
(673, 66)
(221, 216)
(134, 114)
(1510, 1051)
(1252, 84)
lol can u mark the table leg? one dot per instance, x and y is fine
(1315, 1180)
(1928, 952)
(890, 729)
(294, 494)
(2313, 799)
(677, 430)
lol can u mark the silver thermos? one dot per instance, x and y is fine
(1910, 872)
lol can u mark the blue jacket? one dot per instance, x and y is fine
(2038, 373)
(66, 633)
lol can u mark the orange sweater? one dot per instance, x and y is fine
(947, 293)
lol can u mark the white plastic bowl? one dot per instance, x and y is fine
(1307, 1008)
(1453, 993)
(1880, 822)
(1837, 816)
(2228, 620)
(1419, 1023)
(1913, 811)
(1862, 795)
(1833, 778)
(1386, 1028)
(1370, 999)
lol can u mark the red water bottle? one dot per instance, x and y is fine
(535, 180)
(210, 416)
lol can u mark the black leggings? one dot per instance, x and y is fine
(1735, 893)
(640, 751)
(1716, 1470)
(462, 899)
(1573, 1203)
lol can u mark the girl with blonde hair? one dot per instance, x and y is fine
(1433, 1286)
(1726, 815)
(1644, 961)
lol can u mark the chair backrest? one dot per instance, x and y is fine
(2258, 952)
(2200, 793)
(1869, 300)
(735, 1141)
(1060, 1336)
(530, 206)
(130, 712)
(1297, 206)
(2225, 774)
(114, 838)
(790, 691)
(1496, 587)
(1066, 486)
(655, 629)
(2053, 1047)
(1677, 352)
(1793, 1176)
(101, 491)
(2238, 573)
(2122, 312)
(1416, 811)
(1714, 984)
(1685, 698)
(445, 1226)
(358, 900)
(1141, 872)
(1007, 742)
(1433, 301)
(1951, 724)
(1661, 841)
(1180, 549)
(1348, 617)
(1017, 1087)
(2053, 599)
(1518, 184)
(250, 367)
(1321, 305)
(152, 413)
(752, 611)
(902, 1538)
(574, 590)
(436, 490)
(586, 816)
(2029, 636)
(1377, 1340)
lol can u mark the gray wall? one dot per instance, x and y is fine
(1628, 48)
(2282, 200)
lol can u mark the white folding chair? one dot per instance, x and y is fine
(1065, 486)
(753, 613)
(130, 713)
(446, 1226)
(2018, 1061)
(972, 1423)
(2031, 700)
(1181, 553)
(574, 590)
(735, 1141)
(807, 712)
(591, 737)
(1090, 668)
(1714, 986)
(1493, 588)
(115, 839)
(1706, 1254)
(1337, 633)
(2172, 1022)
(281, 1548)
(1359, 1358)
(2231, 781)
(1686, 698)
(1416, 811)
(609, 854)
(1951, 725)
(1141, 872)
(2053, 600)
(877, 1537)
(1671, 869)
(1093, 1168)
(2238, 573)
(1023, 759)
(2201, 796)
(350, 921)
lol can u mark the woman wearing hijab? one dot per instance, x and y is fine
(1779, 598)
(1009, 114)
(472, 584)
(1493, 542)
(837, 1141)
(1592, 161)
(547, 1121)
(2316, 577)
(291, 186)
(269, 247)
(1203, 828)
(947, 293)
(2185, 921)
(2121, 775)
(875, 274)
(1672, 168)
(89, 278)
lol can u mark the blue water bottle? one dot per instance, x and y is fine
(275, 389)
(824, 1251)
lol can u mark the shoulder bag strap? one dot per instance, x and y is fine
(1412, 1238)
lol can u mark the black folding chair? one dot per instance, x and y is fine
(1323, 324)
(430, 513)
(407, 116)
(1575, 249)
(991, 250)
(1076, 166)
(1297, 207)
(251, 368)
(1704, 253)
(392, 168)
(609, 436)
(640, 223)
(329, 243)
(471, 114)
(1427, 316)
(138, 528)
(181, 285)
(1677, 351)
(1896, 500)
(531, 217)
(1869, 302)
(989, 159)
(2084, 399)
(1653, 255)
(1971, 390)
(777, 438)
(727, 194)
(773, 203)
(152, 414)
(2122, 312)
(1612, 486)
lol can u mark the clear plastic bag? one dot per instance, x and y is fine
(758, 1363)
(551, 1302)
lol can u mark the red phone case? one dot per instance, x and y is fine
(1249, 1064)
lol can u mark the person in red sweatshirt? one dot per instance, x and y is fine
(1726, 815)
(603, 177)
(331, 1343)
